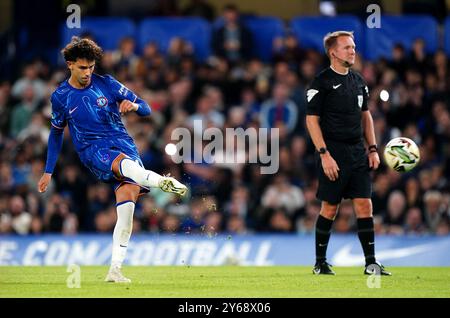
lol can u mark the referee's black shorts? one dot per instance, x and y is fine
(354, 174)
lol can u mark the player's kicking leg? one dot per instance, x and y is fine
(126, 196)
(124, 166)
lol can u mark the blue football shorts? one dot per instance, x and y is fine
(99, 157)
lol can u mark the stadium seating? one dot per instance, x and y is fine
(197, 31)
(311, 30)
(107, 31)
(447, 36)
(264, 30)
(404, 30)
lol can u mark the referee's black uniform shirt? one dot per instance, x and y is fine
(338, 100)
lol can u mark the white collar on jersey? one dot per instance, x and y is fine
(338, 72)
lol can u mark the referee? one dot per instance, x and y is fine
(337, 119)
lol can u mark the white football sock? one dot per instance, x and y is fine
(122, 232)
(132, 170)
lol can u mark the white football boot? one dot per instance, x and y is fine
(170, 184)
(115, 275)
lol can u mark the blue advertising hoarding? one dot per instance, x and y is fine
(257, 250)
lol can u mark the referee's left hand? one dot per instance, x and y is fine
(374, 160)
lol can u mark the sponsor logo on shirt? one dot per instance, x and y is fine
(123, 90)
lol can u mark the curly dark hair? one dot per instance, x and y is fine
(82, 49)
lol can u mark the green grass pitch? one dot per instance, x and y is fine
(223, 282)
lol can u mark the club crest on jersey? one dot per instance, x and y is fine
(360, 100)
(102, 101)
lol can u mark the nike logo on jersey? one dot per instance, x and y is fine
(336, 86)
(310, 94)
(72, 110)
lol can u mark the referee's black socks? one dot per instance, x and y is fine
(323, 229)
(366, 236)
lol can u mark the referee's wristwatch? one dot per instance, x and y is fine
(373, 148)
(322, 150)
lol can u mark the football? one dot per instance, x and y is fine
(401, 154)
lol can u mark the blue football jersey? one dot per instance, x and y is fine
(92, 113)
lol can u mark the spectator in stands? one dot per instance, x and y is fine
(6, 178)
(213, 223)
(200, 8)
(16, 220)
(205, 116)
(232, 41)
(441, 68)
(35, 129)
(419, 59)
(280, 221)
(434, 209)
(29, 79)
(236, 225)
(195, 222)
(150, 215)
(279, 111)
(238, 204)
(399, 61)
(412, 192)
(413, 222)
(22, 112)
(124, 57)
(282, 194)
(395, 216)
(170, 224)
(178, 49)
(58, 217)
(288, 49)
(5, 107)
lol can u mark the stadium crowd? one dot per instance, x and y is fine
(230, 89)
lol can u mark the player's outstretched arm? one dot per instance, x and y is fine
(55, 140)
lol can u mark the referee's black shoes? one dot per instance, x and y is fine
(377, 269)
(323, 268)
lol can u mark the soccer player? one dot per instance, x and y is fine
(337, 120)
(92, 106)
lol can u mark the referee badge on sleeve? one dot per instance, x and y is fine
(310, 94)
(360, 100)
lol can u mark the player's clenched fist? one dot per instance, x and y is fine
(127, 106)
(44, 181)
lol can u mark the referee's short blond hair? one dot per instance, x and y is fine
(330, 39)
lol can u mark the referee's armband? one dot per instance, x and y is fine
(373, 148)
